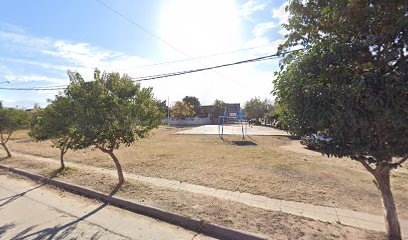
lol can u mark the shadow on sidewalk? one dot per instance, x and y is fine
(12, 198)
(65, 230)
(6, 227)
(17, 196)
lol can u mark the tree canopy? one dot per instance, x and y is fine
(11, 119)
(350, 79)
(162, 106)
(109, 111)
(219, 108)
(193, 101)
(182, 109)
(257, 108)
(55, 123)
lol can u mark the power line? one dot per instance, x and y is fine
(157, 37)
(147, 78)
(165, 75)
(206, 56)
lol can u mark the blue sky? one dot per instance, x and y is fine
(40, 40)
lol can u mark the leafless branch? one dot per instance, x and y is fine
(399, 162)
(363, 161)
(8, 137)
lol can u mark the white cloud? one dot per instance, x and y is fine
(11, 27)
(282, 16)
(53, 57)
(250, 7)
(36, 63)
(81, 57)
(35, 78)
(23, 39)
(262, 28)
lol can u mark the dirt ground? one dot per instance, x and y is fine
(273, 225)
(276, 167)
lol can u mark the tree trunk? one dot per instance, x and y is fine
(118, 166)
(62, 158)
(6, 148)
(390, 212)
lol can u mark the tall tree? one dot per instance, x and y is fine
(350, 80)
(11, 119)
(219, 108)
(271, 115)
(162, 106)
(181, 110)
(109, 111)
(194, 102)
(257, 108)
(55, 123)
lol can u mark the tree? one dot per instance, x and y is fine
(351, 81)
(219, 108)
(109, 111)
(55, 123)
(194, 102)
(162, 106)
(181, 110)
(257, 108)
(271, 115)
(11, 119)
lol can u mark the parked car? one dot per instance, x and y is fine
(314, 140)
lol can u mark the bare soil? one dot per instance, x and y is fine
(273, 225)
(276, 167)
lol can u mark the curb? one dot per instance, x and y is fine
(195, 225)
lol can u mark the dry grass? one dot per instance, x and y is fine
(274, 225)
(265, 168)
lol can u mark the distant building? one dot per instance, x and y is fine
(208, 115)
(232, 110)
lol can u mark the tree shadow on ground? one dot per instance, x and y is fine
(241, 142)
(62, 232)
(244, 143)
(12, 198)
(5, 228)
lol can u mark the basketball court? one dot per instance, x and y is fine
(234, 129)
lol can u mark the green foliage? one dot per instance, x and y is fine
(55, 123)
(219, 108)
(162, 107)
(257, 108)
(182, 109)
(350, 81)
(110, 110)
(271, 115)
(12, 119)
(194, 102)
(351, 78)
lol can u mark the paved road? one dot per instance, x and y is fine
(32, 211)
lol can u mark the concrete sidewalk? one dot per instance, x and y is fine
(321, 213)
(33, 211)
